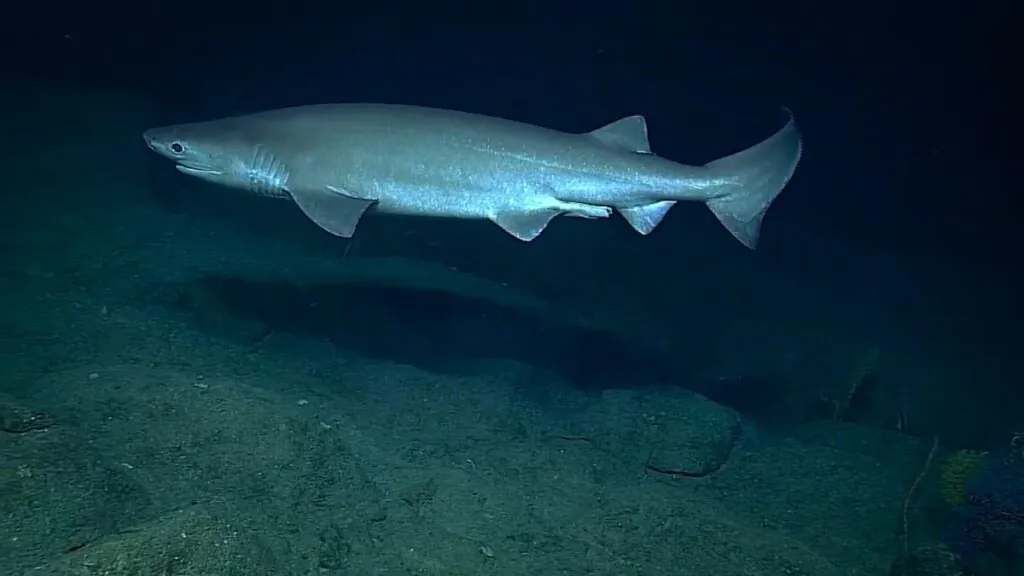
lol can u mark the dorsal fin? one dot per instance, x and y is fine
(629, 133)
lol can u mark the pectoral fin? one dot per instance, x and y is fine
(334, 212)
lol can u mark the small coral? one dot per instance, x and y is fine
(988, 529)
(956, 472)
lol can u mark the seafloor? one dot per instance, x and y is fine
(237, 393)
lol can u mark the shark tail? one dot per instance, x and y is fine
(751, 180)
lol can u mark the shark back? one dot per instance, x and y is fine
(442, 150)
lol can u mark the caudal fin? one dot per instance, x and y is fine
(751, 180)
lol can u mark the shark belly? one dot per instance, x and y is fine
(520, 204)
(455, 202)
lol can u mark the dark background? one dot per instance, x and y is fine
(910, 110)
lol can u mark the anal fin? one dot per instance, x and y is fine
(644, 219)
(331, 210)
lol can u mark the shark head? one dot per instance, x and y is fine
(220, 153)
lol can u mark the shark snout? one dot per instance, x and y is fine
(149, 137)
(163, 143)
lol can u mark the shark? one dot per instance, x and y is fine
(339, 161)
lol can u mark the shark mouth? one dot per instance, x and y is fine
(199, 172)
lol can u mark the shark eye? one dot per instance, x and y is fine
(176, 147)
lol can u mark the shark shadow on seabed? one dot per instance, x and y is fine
(435, 331)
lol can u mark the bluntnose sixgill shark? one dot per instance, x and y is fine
(336, 161)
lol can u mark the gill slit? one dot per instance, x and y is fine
(267, 174)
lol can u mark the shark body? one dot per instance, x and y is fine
(336, 161)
